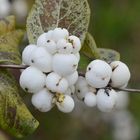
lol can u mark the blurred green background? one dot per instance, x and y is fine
(115, 24)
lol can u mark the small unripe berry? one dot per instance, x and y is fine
(41, 59)
(98, 74)
(65, 64)
(72, 78)
(27, 52)
(76, 43)
(106, 100)
(32, 80)
(59, 33)
(56, 83)
(90, 99)
(42, 100)
(65, 103)
(120, 75)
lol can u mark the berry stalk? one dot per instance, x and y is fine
(12, 66)
(81, 74)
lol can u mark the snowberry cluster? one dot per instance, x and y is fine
(100, 79)
(52, 71)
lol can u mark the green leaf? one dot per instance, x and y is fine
(15, 118)
(14, 115)
(45, 15)
(9, 47)
(7, 24)
(84, 61)
(90, 52)
(89, 48)
(108, 55)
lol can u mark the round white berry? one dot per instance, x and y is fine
(120, 75)
(122, 100)
(56, 83)
(59, 33)
(32, 80)
(41, 59)
(76, 43)
(44, 38)
(51, 47)
(65, 104)
(90, 99)
(106, 100)
(64, 47)
(27, 52)
(65, 64)
(81, 88)
(42, 100)
(72, 78)
(78, 56)
(98, 74)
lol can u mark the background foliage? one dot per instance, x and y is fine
(115, 24)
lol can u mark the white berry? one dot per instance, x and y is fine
(72, 78)
(76, 43)
(59, 33)
(106, 100)
(98, 74)
(65, 64)
(120, 75)
(51, 47)
(41, 59)
(56, 83)
(44, 38)
(64, 47)
(42, 100)
(90, 99)
(27, 52)
(32, 80)
(81, 88)
(65, 104)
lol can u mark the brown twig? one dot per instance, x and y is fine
(13, 66)
(80, 74)
(128, 90)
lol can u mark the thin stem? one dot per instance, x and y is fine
(13, 66)
(80, 74)
(119, 89)
(128, 90)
